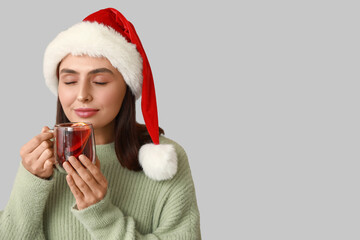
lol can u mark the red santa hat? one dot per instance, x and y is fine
(107, 33)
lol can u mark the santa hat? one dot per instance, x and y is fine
(107, 33)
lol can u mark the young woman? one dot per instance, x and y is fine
(140, 186)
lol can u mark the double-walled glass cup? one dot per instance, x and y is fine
(73, 139)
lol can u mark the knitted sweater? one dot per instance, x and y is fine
(135, 207)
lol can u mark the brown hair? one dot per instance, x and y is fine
(129, 134)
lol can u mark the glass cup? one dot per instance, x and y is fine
(73, 139)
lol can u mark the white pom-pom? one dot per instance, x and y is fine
(159, 162)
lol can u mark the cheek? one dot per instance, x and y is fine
(113, 100)
(65, 97)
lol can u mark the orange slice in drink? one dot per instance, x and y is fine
(78, 124)
(80, 137)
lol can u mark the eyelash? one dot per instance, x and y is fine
(98, 83)
(68, 83)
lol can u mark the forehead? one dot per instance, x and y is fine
(84, 62)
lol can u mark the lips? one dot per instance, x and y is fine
(86, 112)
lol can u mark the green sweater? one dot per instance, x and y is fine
(135, 207)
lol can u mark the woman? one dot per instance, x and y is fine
(143, 188)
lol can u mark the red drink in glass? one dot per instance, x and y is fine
(73, 139)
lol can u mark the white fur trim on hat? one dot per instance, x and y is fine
(95, 40)
(159, 162)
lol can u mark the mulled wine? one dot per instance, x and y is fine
(73, 139)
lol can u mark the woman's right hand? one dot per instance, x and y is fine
(38, 154)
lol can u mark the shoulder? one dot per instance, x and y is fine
(165, 140)
(183, 167)
(165, 161)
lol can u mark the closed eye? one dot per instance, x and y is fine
(100, 83)
(68, 83)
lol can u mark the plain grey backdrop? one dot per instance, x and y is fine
(263, 96)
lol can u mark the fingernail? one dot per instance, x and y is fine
(65, 166)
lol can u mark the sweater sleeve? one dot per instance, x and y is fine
(23, 215)
(176, 217)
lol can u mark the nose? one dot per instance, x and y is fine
(84, 94)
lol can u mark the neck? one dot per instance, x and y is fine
(105, 134)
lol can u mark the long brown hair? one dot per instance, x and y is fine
(129, 134)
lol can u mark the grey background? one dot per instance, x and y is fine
(263, 95)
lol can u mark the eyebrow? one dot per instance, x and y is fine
(95, 71)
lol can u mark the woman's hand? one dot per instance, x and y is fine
(38, 155)
(86, 181)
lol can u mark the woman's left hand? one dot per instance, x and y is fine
(86, 181)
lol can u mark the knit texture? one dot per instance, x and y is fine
(135, 207)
